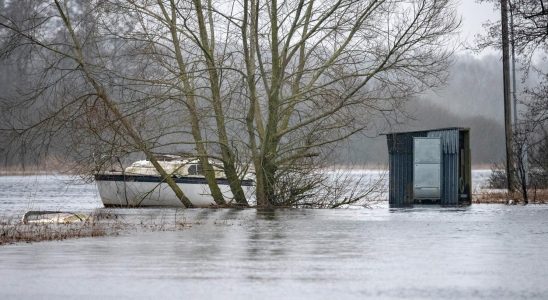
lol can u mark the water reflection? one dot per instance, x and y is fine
(482, 252)
(429, 208)
(266, 237)
(476, 252)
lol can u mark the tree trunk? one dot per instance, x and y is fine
(226, 153)
(113, 108)
(209, 173)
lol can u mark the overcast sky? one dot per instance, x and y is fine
(473, 15)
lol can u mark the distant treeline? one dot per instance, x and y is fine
(472, 98)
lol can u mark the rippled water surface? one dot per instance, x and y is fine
(19, 194)
(479, 252)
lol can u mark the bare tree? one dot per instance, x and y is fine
(530, 28)
(71, 49)
(321, 67)
(278, 85)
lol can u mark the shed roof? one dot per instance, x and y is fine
(427, 130)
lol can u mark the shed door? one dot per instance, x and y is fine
(426, 168)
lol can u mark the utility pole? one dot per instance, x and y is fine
(507, 99)
(521, 148)
(512, 45)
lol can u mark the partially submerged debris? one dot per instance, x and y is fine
(37, 226)
(58, 217)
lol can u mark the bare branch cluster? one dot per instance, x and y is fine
(276, 85)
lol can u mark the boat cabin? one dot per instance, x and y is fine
(175, 167)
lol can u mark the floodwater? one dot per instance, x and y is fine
(19, 194)
(478, 252)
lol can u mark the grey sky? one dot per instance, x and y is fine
(473, 15)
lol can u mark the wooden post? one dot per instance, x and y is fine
(507, 99)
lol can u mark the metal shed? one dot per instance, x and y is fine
(430, 166)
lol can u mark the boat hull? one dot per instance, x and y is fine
(143, 190)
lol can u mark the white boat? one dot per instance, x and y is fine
(141, 185)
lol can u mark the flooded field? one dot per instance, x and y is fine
(19, 194)
(478, 252)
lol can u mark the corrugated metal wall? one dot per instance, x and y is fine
(449, 165)
(400, 149)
